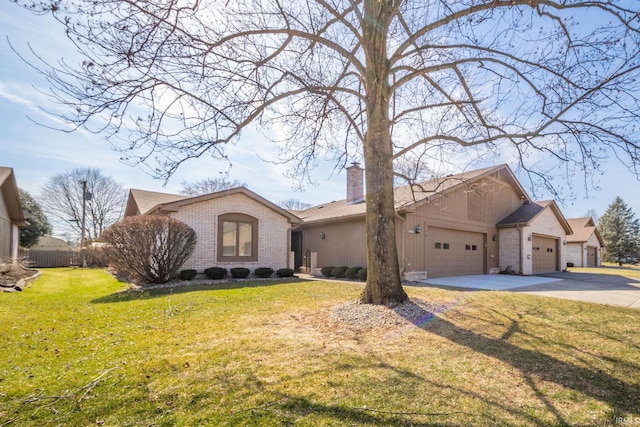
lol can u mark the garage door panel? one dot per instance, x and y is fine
(545, 254)
(454, 252)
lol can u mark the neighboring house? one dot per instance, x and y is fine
(11, 216)
(234, 228)
(584, 245)
(50, 243)
(475, 222)
(533, 239)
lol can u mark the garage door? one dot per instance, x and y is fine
(545, 256)
(591, 256)
(454, 252)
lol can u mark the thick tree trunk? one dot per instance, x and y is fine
(383, 272)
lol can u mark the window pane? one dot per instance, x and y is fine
(244, 239)
(228, 238)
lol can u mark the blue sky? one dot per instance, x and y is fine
(36, 152)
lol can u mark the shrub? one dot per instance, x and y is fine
(285, 272)
(327, 271)
(188, 274)
(263, 272)
(362, 273)
(339, 272)
(352, 272)
(240, 272)
(216, 273)
(95, 256)
(149, 249)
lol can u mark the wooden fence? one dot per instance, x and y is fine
(48, 258)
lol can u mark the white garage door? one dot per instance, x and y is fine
(454, 252)
(545, 254)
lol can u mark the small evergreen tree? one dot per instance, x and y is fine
(38, 223)
(620, 230)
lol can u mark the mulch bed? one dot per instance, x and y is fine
(16, 278)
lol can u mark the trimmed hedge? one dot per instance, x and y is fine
(285, 272)
(339, 272)
(362, 273)
(352, 272)
(240, 272)
(263, 272)
(188, 274)
(216, 273)
(327, 271)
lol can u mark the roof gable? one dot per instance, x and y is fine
(149, 202)
(11, 196)
(408, 197)
(583, 229)
(526, 213)
(141, 202)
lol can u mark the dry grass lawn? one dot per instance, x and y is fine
(76, 350)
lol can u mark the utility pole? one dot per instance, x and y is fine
(84, 217)
(84, 211)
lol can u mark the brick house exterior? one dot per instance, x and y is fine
(270, 242)
(585, 244)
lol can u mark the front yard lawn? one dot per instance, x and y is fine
(77, 350)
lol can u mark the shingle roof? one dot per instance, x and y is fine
(523, 215)
(583, 229)
(142, 201)
(404, 196)
(528, 211)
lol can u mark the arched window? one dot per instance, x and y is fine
(237, 238)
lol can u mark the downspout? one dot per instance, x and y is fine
(403, 268)
(520, 255)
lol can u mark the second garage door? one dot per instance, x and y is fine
(454, 252)
(545, 254)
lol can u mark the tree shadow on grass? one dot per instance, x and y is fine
(181, 288)
(534, 365)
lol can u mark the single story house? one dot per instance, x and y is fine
(234, 228)
(476, 222)
(11, 216)
(585, 244)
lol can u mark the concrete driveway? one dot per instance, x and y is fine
(596, 288)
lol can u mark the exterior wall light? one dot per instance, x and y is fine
(418, 229)
(322, 235)
(494, 237)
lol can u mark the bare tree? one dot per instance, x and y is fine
(62, 199)
(294, 204)
(550, 84)
(208, 185)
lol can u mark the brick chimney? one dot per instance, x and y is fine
(355, 184)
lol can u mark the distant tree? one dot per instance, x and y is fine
(62, 197)
(593, 214)
(620, 230)
(38, 223)
(208, 186)
(294, 204)
(149, 249)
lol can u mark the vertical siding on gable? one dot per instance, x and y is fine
(273, 232)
